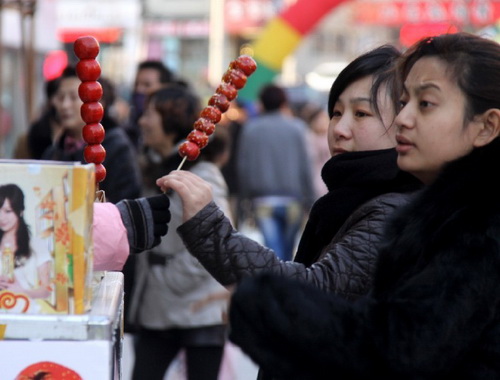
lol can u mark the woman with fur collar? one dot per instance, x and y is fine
(434, 311)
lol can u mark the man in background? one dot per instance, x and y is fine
(274, 171)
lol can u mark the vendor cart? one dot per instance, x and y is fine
(86, 346)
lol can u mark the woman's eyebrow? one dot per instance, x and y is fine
(359, 100)
(422, 87)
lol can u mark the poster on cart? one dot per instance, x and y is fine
(46, 212)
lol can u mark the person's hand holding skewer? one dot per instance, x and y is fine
(194, 192)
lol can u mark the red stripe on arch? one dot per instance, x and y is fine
(305, 14)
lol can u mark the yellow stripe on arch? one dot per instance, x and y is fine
(276, 42)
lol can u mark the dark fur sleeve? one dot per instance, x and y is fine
(422, 328)
(287, 328)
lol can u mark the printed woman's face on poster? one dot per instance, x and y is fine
(9, 220)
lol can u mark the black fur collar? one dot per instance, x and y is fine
(352, 178)
(463, 199)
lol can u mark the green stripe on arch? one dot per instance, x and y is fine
(270, 50)
(262, 75)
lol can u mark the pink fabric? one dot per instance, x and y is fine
(111, 247)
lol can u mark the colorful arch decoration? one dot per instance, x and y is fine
(281, 37)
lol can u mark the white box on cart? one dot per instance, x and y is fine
(87, 346)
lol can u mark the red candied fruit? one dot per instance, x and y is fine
(236, 77)
(100, 172)
(90, 91)
(245, 63)
(211, 113)
(94, 153)
(189, 150)
(198, 137)
(88, 70)
(93, 133)
(92, 112)
(86, 47)
(220, 101)
(228, 90)
(205, 126)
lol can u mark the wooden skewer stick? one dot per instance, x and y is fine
(170, 191)
(182, 163)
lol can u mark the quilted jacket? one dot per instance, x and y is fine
(346, 267)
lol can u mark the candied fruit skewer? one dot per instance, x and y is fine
(88, 70)
(234, 79)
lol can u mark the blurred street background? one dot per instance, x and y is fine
(197, 38)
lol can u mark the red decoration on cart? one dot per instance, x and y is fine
(47, 370)
(86, 48)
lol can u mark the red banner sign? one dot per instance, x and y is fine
(459, 12)
(240, 15)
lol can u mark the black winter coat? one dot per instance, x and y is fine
(346, 268)
(434, 312)
(342, 234)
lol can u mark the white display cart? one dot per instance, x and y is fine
(90, 344)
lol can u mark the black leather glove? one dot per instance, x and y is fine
(146, 221)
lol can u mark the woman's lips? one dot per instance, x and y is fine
(403, 144)
(338, 150)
